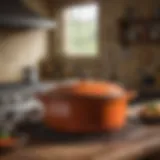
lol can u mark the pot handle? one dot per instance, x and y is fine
(131, 95)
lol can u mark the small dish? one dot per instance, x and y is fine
(150, 113)
(8, 142)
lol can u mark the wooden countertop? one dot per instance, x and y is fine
(133, 144)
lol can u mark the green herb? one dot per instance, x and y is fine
(4, 135)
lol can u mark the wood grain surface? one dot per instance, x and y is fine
(135, 143)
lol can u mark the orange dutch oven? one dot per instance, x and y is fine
(86, 106)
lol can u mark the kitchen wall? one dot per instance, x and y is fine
(114, 60)
(67, 67)
(20, 48)
(127, 62)
(43, 7)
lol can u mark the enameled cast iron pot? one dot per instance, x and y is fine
(86, 106)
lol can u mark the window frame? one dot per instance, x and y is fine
(78, 55)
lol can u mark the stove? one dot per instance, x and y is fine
(19, 104)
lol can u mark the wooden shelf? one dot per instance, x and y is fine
(140, 31)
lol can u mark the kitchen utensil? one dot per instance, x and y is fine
(86, 106)
(30, 75)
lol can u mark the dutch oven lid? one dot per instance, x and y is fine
(93, 88)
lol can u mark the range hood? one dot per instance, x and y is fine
(14, 14)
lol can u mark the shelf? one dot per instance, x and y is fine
(140, 31)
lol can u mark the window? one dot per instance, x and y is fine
(80, 30)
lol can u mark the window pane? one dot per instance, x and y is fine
(81, 30)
